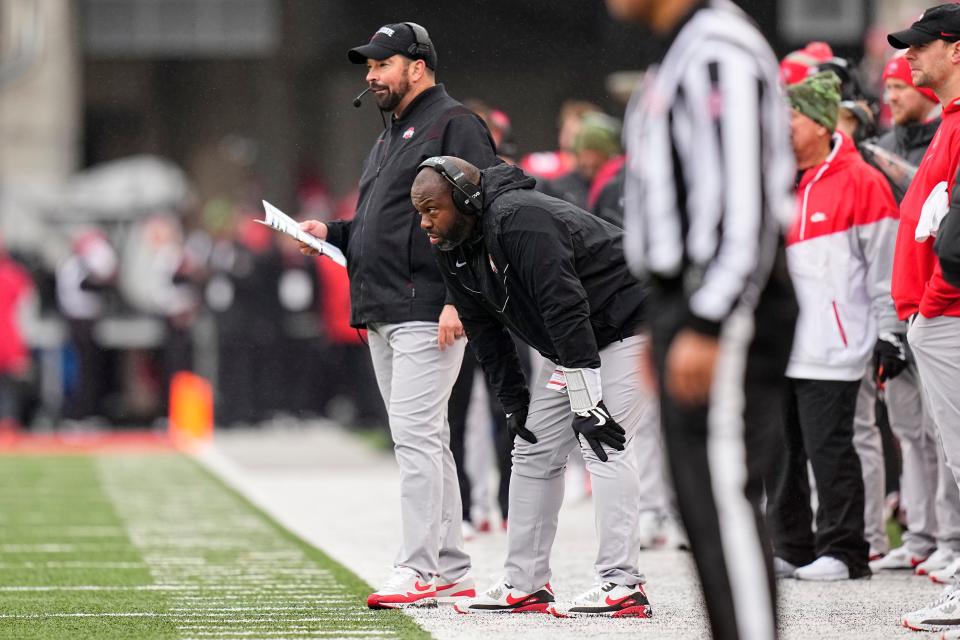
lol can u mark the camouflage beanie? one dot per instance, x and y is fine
(599, 132)
(818, 98)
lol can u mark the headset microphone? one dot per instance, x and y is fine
(356, 101)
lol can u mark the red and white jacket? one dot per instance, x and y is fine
(918, 284)
(840, 255)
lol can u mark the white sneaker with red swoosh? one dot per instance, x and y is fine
(449, 591)
(503, 598)
(405, 588)
(607, 600)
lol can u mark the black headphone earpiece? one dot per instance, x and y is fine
(422, 48)
(468, 200)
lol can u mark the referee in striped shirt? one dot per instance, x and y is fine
(708, 193)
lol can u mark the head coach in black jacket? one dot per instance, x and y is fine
(396, 292)
(555, 275)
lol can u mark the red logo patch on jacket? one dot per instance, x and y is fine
(408, 133)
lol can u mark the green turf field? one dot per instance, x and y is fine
(153, 546)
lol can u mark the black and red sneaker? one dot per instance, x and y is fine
(503, 598)
(608, 600)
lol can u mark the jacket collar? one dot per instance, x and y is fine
(843, 152)
(426, 97)
(918, 134)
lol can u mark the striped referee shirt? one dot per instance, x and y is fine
(710, 168)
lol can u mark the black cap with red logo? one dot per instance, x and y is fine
(392, 39)
(937, 23)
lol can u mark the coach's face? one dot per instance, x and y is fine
(445, 225)
(809, 140)
(390, 79)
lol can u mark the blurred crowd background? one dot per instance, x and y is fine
(138, 138)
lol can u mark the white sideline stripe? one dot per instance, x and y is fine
(229, 592)
(93, 587)
(72, 564)
(283, 634)
(37, 548)
(190, 620)
(82, 614)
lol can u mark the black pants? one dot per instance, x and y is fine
(458, 406)
(719, 454)
(818, 426)
(94, 373)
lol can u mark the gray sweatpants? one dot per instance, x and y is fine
(537, 483)
(415, 380)
(867, 442)
(936, 347)
(927, 488)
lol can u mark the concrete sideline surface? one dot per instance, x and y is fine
(336, 492)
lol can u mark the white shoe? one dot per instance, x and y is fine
(503, 598)
(648, 529)
(954, 634)
(899, 558)
(450, 591)
(939, 559)
(608, 600)
(823, 569)
(673, 535)
(782, 568)
(942, 615)
(469, 532)
(405, 588)
(945, 575)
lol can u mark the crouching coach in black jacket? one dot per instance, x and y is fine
(555, 275)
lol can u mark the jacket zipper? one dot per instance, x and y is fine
(366, 207)
(836, 315)
(806, 190)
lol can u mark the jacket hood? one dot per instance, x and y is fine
(844, 152)
(501, 178)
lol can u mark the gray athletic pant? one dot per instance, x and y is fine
(936, 347)
(928, 491)
(869, 446)
(537, 483)
(415, 380)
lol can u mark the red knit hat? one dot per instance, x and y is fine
(796, 66)
(898, 68)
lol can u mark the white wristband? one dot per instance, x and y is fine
(583, 388)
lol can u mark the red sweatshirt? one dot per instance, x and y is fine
(918, 283)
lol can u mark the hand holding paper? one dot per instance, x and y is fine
(278, 220)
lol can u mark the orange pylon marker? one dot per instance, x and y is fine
(191, 410)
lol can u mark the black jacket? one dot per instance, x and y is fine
(552, 273)
(392, 276)
(909, 142)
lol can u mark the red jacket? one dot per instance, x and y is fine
(918, 283)
(840, 255)
(14, 284)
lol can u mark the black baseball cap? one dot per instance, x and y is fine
(391, 39)
(937, 23)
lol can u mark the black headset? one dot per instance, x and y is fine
(468, 200)
(422, 48)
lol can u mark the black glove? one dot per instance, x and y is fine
(889, 356)
(516, 425)
(599, 428)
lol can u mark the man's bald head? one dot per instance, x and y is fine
(432, 197)
(432, 177)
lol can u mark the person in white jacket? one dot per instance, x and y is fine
(840, 255)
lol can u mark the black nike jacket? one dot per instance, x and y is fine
(552, 273)
(392, 276)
